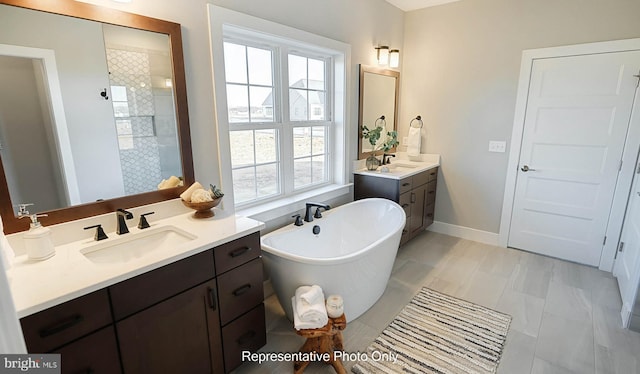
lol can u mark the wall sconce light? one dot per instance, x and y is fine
(394, 58)
(383, 55)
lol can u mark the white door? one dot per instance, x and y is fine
(576, 121)
(627, 267)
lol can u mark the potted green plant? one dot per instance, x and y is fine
(373, 136)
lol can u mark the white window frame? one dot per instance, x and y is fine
(227, 25)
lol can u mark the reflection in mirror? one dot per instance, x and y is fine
(92, 114)
(378, 98)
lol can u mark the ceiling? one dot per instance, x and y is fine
(409, 5)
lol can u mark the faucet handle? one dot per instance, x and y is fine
(143, 223)
(298, 220)
(100, 235)
(317, 214)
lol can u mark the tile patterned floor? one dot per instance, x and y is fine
(566, 317)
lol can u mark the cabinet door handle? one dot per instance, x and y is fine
(242, 289)
(405, 205)
(245, 338)
(213, 298)
(429, 214)
(239, 251)
(413, 197)
(405, 184)
(60, 326)
(432, 192)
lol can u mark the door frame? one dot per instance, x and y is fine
(632, 142)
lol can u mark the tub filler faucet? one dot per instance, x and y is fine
(308, 217)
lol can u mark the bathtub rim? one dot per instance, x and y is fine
(271, 251)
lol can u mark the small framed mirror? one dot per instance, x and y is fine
(378, 105)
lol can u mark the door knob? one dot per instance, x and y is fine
(526, 168)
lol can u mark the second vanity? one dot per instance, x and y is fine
(412, 184)
(193, 306)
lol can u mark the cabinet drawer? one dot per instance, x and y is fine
(405, 203)
(420, 179)
(96, 353)
(428, 214)
(138, 293)
(433, 174)
(63, 323)
(247, 333)
(405, 185)
(240, 290)
(237, 252)
(431, 192)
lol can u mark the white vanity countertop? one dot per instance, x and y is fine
(401, 167)
(38, 285)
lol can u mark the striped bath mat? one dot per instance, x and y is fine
(436, 333)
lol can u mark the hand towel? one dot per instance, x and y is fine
(414, 141)
(186, 195)
(173, 181)
(6, 252)
(313, 295)
(309, 315)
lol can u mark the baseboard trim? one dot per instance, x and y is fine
(465, 232)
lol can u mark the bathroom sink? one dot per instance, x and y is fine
(135, 245)
(402, 165)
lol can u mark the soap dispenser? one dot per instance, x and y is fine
(37, 240)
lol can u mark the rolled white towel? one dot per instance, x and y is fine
(315, 313)
(186, 195)
(313, 295)
(303, 325)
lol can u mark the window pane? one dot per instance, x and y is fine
(267, 180)
(241, 148)
(318, 169)
(238, 103)
(318, 143)
(301, 172)
(261, 100)
(244, 185)
(297, 71)
(235, 63)
(316, 105)
(316, 74)
(266, 146)
(121, 109)
(260, 66)
(301, 142)
(298, 105)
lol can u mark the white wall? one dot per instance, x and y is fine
(460, 72)
(361, 23)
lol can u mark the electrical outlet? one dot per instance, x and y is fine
(497, 146)
(405, 140)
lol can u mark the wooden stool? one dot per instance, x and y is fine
(322, 340)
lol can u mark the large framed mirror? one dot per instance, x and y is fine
(93, 110)
(378, 105)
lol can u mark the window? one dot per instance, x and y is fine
(278, 108)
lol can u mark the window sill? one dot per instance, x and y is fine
(281, 207)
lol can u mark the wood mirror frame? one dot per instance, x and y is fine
(115, 17)
(384, 72)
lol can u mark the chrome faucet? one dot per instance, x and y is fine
(122, 216)
(307, 214)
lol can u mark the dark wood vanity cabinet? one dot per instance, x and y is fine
(416, 194)
(196, 315)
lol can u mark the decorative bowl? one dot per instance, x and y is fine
(203, 210)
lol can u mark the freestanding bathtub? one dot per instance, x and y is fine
(352, 256)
